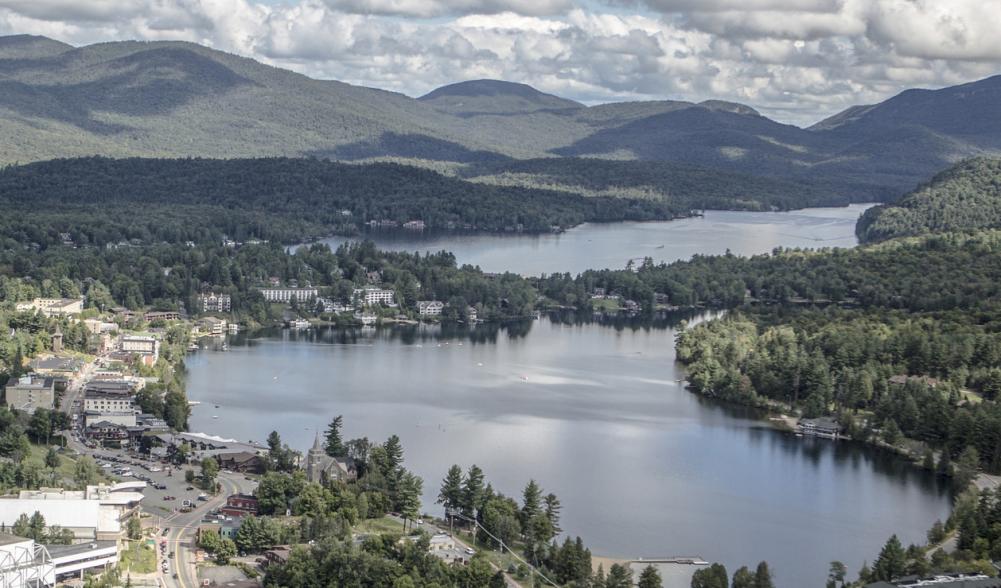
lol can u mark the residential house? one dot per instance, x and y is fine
(213, 302)
(245, 462)
(240, 505)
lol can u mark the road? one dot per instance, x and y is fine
(183, 527)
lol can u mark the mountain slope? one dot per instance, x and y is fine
(495, 97)
(964, 197)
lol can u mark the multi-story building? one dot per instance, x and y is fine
(161, 315)
(108, 402)
(53, 306)
(30, 393)
(371, 295)
(213, 302)
(97, 513)
(286, 295)
(430, 307)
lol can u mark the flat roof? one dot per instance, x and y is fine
(60, 551)
(7, 539)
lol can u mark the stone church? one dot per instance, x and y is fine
(320, 467)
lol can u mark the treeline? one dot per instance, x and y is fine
(100, 200)
(963, 198)
(686, 187)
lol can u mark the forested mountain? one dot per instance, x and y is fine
(962, 198)
(99, 200)
(176, 99)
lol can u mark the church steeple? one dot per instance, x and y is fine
(317, 445)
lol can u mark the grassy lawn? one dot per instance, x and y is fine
(138, 558)
(605, 304)
(66, 464)
(501, 560)
(379, 526)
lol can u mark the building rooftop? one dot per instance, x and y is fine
(60, 551)
(7, 539)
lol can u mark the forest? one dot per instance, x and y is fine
(98, 201)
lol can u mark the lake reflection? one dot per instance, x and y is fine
(593, 410)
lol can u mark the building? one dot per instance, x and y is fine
(53, 306)
(334, 307)
(30, 393)
(101, 423)
(203, 445)
(415, 225)
(72, 561)
(244, 462)
(213, 326)
(430, 307)
(213, 302)
(97, 513)
(100, 401)
(161, 315)
(956, 580)
(240, 505)
(277, 555)
(286, 295)
(371, 295)
(146, 347)
(320, 466)
(24, 563)
(819, 427)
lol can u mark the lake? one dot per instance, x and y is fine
(612, 245)
(594, 411)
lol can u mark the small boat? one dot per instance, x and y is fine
(215, 416)
(217, 406)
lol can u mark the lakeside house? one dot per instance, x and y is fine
(370, 295)
(430, 307)
(825, 427)
(161, 315)
(145, 347)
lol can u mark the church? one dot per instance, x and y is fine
(320, 467)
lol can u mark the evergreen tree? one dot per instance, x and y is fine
(531, 503)
(650, 578)
(713, 576)
(334, 444)
(450, 495)
(763, 576)
(619, 576)
(552, 510)
(743, 578)
(891, 561)
(472, 491)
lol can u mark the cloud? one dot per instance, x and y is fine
(796, 60)
(433, 8)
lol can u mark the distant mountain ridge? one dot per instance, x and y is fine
(178, 99)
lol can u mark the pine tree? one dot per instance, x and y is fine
(472, 491)
(650, 578)
(891, 561)
(763, 576)
(334, 445)
(450, 495)
(531, 503)
(743, 578)
(619, 576)
(552, 510)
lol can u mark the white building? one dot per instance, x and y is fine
(121, 418)
(24, 563)
(71, 561)
(148, 347)
(286, 295)
(107, 402)
(97, 513)
(53, 306)
(371, 295)
(430, 307)
(216, 302)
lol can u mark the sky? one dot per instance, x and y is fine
(797, 61)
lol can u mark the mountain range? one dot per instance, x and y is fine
(178, 99)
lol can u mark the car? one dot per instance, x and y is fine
(420, 521)
(470, 551)
(190, 488)
(203, 496)
(165, 531)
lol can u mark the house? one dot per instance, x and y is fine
(105, 430)
(240, 505)
(414, 225)
(333, 307)
(242, 461)
(430, 307)
(213, 326)
(471, 315)
(819, 427)
(95, 513)
(320, 466)
(30, 393)
(286, 295)
(371, 295)
(213, 302)
(53, 306)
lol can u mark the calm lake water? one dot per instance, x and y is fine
(612, 245)
(594, 412)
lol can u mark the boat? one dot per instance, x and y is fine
(215, 416)
(300, 323)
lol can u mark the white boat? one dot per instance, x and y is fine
(300, 323)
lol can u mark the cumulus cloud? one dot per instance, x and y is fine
(795, 60)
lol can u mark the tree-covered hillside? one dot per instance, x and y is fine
(99, 200)
(963, 198)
